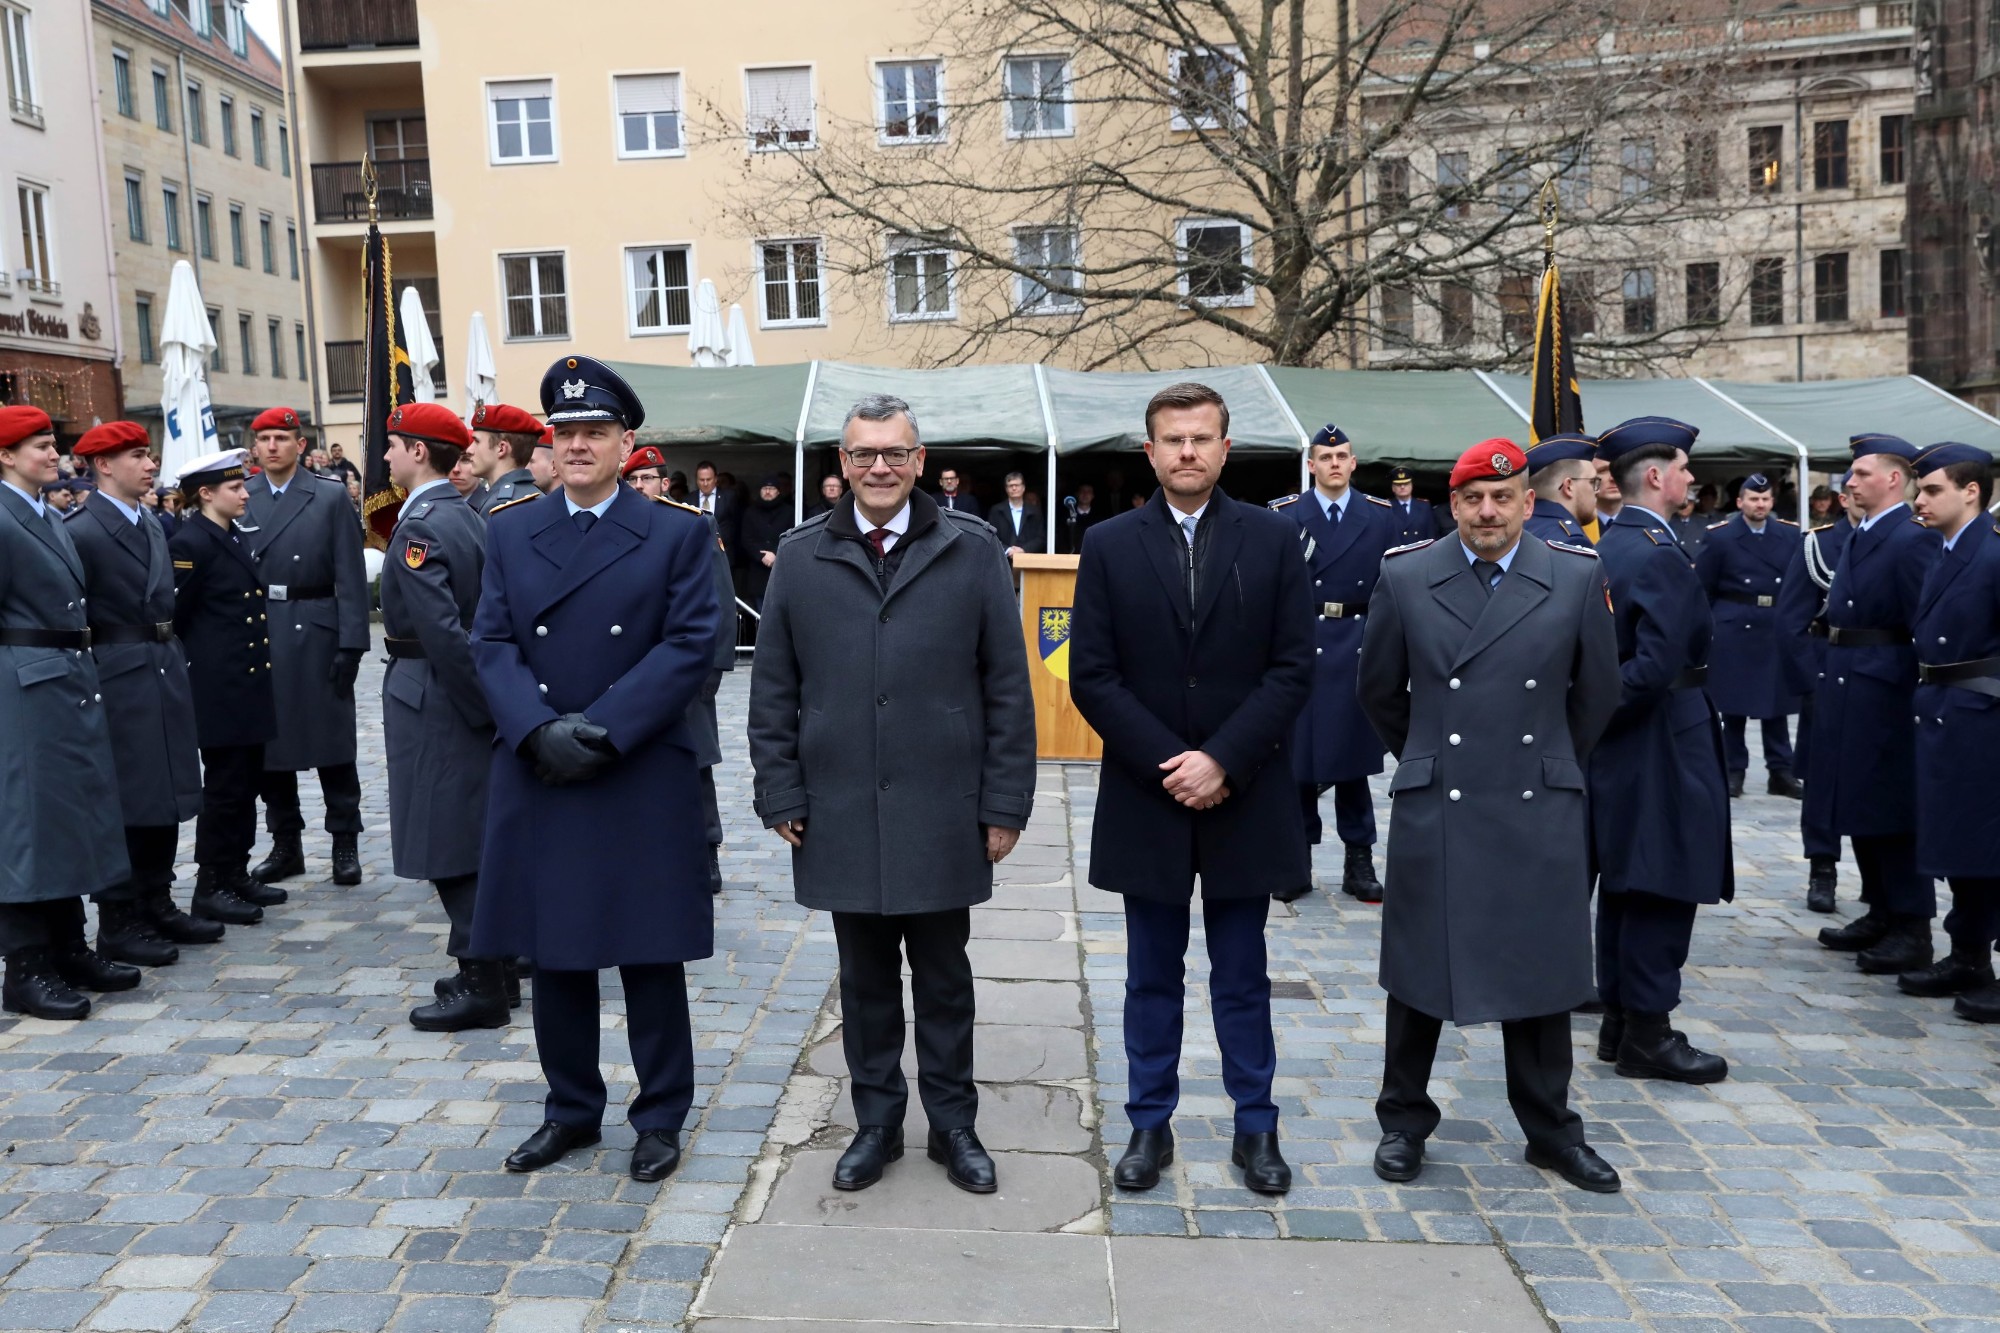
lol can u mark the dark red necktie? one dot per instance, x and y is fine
(877, 538)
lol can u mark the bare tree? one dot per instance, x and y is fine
(1157, 182)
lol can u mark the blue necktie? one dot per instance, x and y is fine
(584, 519)
(1488, 572)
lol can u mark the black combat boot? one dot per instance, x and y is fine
(171, 923)
(81, 968)
(287, 858)
(446, 987)
(214, 900)
(1651, 1048)
(125, 934)
(1863, 932)
(480, 1001)
(1820, 883)
(1735, 784)
(1905, 948)
(253, 890)
(714, 868)
(34, 988)
(1966, 967)
(1610, 1034)
(346, 858)
(1357, 877)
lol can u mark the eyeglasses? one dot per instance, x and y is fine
(865, 458)
(1186, 441)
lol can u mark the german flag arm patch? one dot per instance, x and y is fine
(415, 553)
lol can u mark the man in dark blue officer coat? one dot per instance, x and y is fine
(1563, 477)
(1742, 568)
(596, 626)
(1801, 613)
(1659, 803)
(1343, 534)
(1414, 520)
(1192, 655)
(1863, 777)
(1957, 632)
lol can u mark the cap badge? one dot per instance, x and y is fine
(1502, 465)
(571, 363)
(574, 388)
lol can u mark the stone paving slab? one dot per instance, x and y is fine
(1013, 1117)
(1038, 1192)
(1000, 1054)
(1024, 960)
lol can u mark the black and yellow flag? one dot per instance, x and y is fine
(1556, 405)
(386, 383)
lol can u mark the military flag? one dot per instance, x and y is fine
(386, 381)
(1556, 405)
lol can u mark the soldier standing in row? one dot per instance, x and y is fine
(307, 545)
(130, 574)
(59, 834)
(502, 454)
(1742, 568)
(1414, 520)
(1801, 613)
(1564, 482)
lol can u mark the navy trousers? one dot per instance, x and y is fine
(1816, 837)
(457, 896)
(1239, 990)
(1889, 879)
(1777, 744)
(1974, 919)
(1642, 944)
(1353, 812)
(656, 1020)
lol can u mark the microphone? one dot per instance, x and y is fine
(1069, 503)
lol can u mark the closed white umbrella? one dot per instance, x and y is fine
(418, 343)
(481, 382)
(186, 342)
(739, 353)
(708, 337)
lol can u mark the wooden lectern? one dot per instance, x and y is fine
(1047, 586)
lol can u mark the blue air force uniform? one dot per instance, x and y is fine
(1550, 519)
(1742, 570)
(1801, 615)
(1553, 523)
(1415, 520)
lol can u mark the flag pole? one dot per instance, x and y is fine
(1551, 215)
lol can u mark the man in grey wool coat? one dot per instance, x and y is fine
(894, 741)
(1489, 666)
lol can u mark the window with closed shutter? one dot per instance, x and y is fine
(649, 114)
(778, 108)
(523, 120)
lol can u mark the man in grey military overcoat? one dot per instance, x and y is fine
(307, 545)
(1489, 666)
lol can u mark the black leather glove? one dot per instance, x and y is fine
(570, 749)
(346, 666)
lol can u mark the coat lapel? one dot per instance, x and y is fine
(129, 537)
(1453, 584)
(1950, 565)
(621, 529)
(1525, 587)
(46, 529)
(1332, 540)
(1166, 551)
(275, 513)
(1224, 541)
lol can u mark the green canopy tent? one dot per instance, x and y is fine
(1822, 414)
(736, 405)
(1413, 418)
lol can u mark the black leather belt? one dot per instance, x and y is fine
(1747, 598)
(1342, 610)
(286, 592)
(160, 631)
(74, 639)
(404, 647)
(1867, 638)
(1817, 627)
(1690, 678)
(1981, 677)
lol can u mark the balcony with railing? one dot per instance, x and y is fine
(346, 371)
(402, 191)
(28, 113)
(356, 25)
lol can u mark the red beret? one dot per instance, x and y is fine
(505, 419)
(19, 423)
(112, 437)
(275, 418)
(644, 456)
(433, 423)
(1489, 459)
(548, 436)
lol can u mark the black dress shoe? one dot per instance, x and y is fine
(1651, 1048)
(127, 935)
(346, 858)
(33, 988)
(1610, 1035)
(1399, 1156)
(1735, 784)
(1820, 882)
(966, 1163)
(1959, 970)
(1357, 877)
(1863, 932)
(655, 1155)
(1579, 1165)
(479, 1001)
(1139, 1167)
(1978, 1006)
(1784, 784)
(171, 923)
(549, 1143)
(287, 858)
(1264, 1168)
(874, 1147)
(83, 968)
(213, 902)
(1906, 948)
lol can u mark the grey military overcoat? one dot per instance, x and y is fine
(1491, 703)
(436, 731)
(60, 830)
(147, 697)
(894, 723)
(308, 541)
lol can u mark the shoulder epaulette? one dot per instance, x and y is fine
(970, 520)
(1919, 522)
(183, 564)
(70, 517)
(1281, 502)
(1412, 546)
(1572, 548)
(818, 521)
(509, 504)
(1823, 527)
(1788, 522)
(1653, 536)
(1378, 500)
(1713, 526)
(678, 504)
(421, 510)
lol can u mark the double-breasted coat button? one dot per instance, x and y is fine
(543, 688)
(1453, 682)
(249, 620)
(1319, 650)
(1940, 638)
(1454, 793)
(1454, 738)
(882, 700)
(1527, 796)
(617, 630)
(541, 631)
(1527, 740)
(885, 784)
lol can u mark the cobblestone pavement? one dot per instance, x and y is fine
(256, 1140)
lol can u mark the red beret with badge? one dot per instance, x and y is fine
(23, 423)
(433, 423)
(546, 439)
(112, 437)
(644, 456)
(1487, 460)
(505, 419)
(275, 418)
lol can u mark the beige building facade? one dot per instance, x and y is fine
(198, 167)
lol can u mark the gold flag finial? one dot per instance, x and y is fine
(1551, 214)
(369, 183)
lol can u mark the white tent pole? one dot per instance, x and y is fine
(1501, 394)
(1298, 427)
(1055, 441)
(1805, 460)
(799, 446)
(1955, 400)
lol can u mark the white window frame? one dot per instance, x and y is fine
(764, 319)
(299, 346)
(239, 244)
(146, 333)
(163, 82)
(535, 296)
(811, 140)
(194, 112)
(879, 74)
(1239, 92)
(1063, 305)
(246, 343)
(47, 285)
(526, 158)
(1067, 102)
(274, 330)
(204, 238)
(618, 116)
(18, 42)
(267, 243)
(135, 208)
(898, 245)
(1241, 300)
(126, 96)
(258, 156)
(218, 360)
(626, 255)
(170, 229)
(225, 120)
